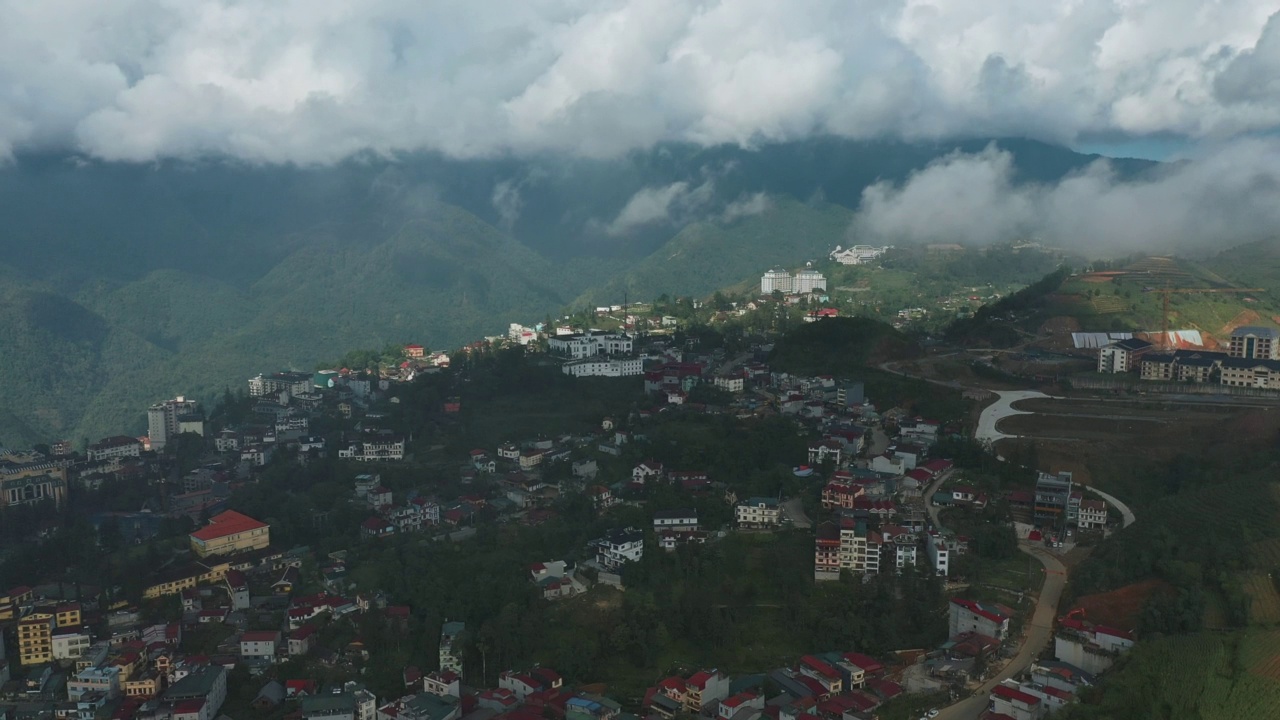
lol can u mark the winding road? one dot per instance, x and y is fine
(1001, 409)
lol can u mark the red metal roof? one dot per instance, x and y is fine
(1016, 695)
(225, 524)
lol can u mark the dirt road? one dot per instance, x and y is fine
(1037, 634)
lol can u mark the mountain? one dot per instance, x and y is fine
(123, 284)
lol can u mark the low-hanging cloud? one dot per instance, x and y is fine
(675, 203)
(1226, 197)
(746, 206)
(316, 81)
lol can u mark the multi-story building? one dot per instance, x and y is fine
(808, 280)
(230, 532)
(295, 383)
(450, 647)
(35, 639)
(619, 547)
(105, 679)
(200, 692)
(604, 367)
(1053, 499)
(32, 489)
(1122, 356)
(375, 447)
(846, 545)
(857, 255)
(1255, 343)
(118, 446)
(1093, 515)
(69, 643)
(679, 520)
(758, 513)
(260, 644)
(584, 345)
(969, 616)
(776, 280)
(163, 420)
(1247, 372)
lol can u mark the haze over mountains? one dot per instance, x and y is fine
(125, 283)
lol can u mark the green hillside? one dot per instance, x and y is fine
(708, 256)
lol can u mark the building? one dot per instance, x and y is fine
(294, 383)
(584, 345)
(117, 446)
(163, 420)
(1053, 499)
(374, 447)
(35, 639)
(31, 490)
(679, 520)
(451, 647)
(1247, 372)
(105, 679)
(202, 692)
(1092, 648)
(1010, 701)
(230, 532)
(1093, 515)
(857, 255)
(969, 616)
(1255, 343)
(845, 545)
(69, 643)
(260, 644)
(604, 367)
(619, 547)
(807, 281)
(776, 280)
(1122, 356)
(758, 513)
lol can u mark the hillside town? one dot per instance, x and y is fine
(878, 490)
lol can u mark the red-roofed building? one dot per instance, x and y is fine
(823, 672)
(969, 616)
(731, 705)
(376, 527)
(840, 495)
(414, 350)
(299, 688)
(1016, 703)
(868, 664)
(259, 644)
(230, 532)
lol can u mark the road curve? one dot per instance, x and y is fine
(1114, 502)
(999, 410)
(1037, 634)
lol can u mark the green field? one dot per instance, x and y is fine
(1208, 676)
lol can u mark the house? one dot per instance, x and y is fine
(983, 619)
(531, 458)
(259, 644)
(554, 579)
(1012, 702)
(378, 497)
(645, 471)
(376, 527)
(705, 688)
(443, 683)
(678, 520)
(450, 651)
(585, 469)
(838, 494)
(302, 640)
(847, 545)
(525, 684)
(1093, 648)
(329, 706)
(889, 464)
(831, 679)
(601, 497)
(758, 513)
(1093, 515)
(619, 547)
(1122, 356)
(230, 532)
(731, 706)
(205, 686)
(825, 450)
(271, 695)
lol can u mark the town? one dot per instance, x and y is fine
(223, 611)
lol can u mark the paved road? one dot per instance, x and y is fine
(1001, 409)
(1116, 503)
(1036, 636)
(794, 509)
(928, 493)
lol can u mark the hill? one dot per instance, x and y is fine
(122, 284)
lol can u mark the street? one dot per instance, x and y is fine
(1038, 632)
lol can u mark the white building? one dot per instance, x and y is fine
(375, 448)
(970, 616)
(117, 446)
(70, 645)
(938, 554)
(734, 383)
(776, 280)
(857, 255)
(164, 421)
(1092, 515)
(1122, 356)
(679, 520)
(619, 547)
(260, 644)
(585, 345)
(296, 383)
(758, 512)
(808, 280)
(604, 367)
(520, 334)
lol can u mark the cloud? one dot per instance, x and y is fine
(507, 201)
(746, 206)
(674, 203)
(316, 81)
(1226, 197)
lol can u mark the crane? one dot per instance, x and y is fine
(1166, 291)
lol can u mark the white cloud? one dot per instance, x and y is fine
(314, 81)
(508, 202)
(1228, 196)
(674, 203)
(746, 206)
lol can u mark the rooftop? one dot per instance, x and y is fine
(225, 524)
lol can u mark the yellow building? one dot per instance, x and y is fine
(146, 686)
(35, 639)
(174, 582)
(68, 615)
(11, 602)
(230, 532)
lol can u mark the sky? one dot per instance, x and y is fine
(312, 82)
